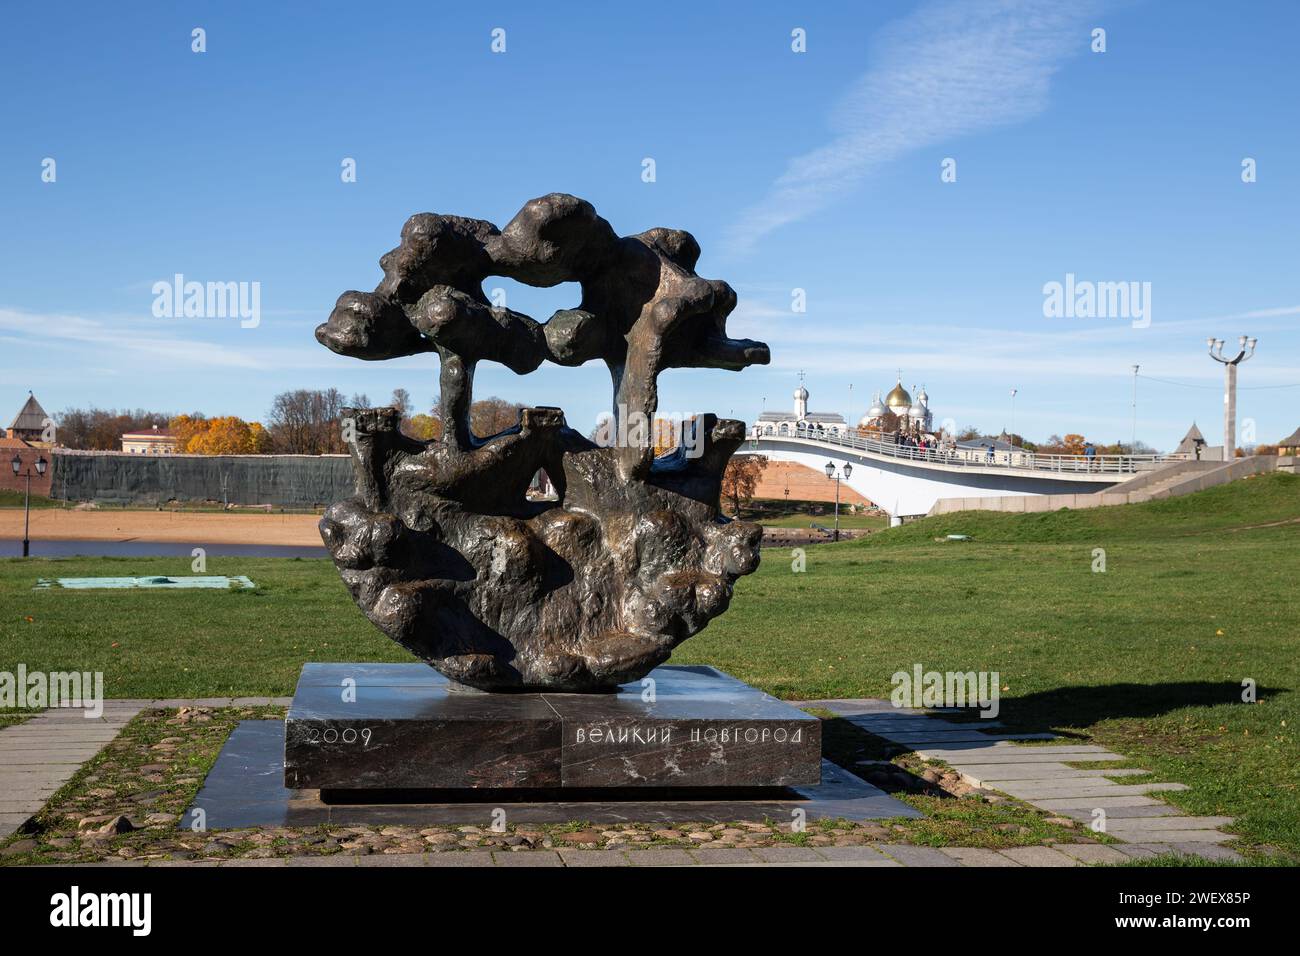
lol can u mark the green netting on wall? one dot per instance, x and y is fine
(293, 481)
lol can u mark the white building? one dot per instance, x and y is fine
(800, 419)
(156, 441)
(897, 413)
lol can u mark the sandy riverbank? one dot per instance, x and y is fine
(54, 524)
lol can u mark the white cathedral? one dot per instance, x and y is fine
(897, 413)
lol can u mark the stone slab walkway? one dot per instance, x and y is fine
(1042, 776)
(40, 755)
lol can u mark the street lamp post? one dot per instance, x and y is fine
(17, 464)
(1011, 443)
(831, 473)
(1132, 445)
(1230, 387)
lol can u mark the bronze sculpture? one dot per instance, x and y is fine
(441, 548)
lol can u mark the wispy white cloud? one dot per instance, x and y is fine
(176, 345)
(946, 70)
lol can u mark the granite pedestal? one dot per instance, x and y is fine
(245, 788)
(405, 727)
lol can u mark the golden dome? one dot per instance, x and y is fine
(898, 398)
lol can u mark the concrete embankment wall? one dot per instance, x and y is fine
(1187, 478)
(788, 481)
(1238, 468)
(291, 481)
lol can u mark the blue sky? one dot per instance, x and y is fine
(817, 171)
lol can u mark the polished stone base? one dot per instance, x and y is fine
(406, 727)
(245, 788)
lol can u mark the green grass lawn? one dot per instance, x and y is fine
(805, 520)
(801, 514)
(10, 498)
(1199, 594)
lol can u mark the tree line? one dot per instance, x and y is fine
(299, 422)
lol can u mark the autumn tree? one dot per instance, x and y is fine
(423, 426)
(491, 416)
(223, 435)
(187, 428)
(740, 480)
(306, 422)
(101, 429)
(667, 434)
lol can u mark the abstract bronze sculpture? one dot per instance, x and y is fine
(442, 549)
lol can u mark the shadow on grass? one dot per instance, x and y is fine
(1065, 707)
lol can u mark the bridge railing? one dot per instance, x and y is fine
(1017, 459)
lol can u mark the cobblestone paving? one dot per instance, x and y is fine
(39, 756)
(876, 854)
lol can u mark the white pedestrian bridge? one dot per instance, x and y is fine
(906, 481)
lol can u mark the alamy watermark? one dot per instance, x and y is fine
(920, 688)
(1085, 299)
(634, 429)
(38, 689)
(208, 300)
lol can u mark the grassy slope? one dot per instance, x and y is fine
(1132, 657)
(805, 520)
(9, 498)
(1147, 657)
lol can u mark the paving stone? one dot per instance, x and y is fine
(1158, 809)
(1092, 852)
(916, 855)
(1141, 851)
(271, 861)
(1005, 744)
(467, 858)
(1110, 772)
(715, 856)
(334, 859)
(978, 774)
(1172, 836)
(527, 858)
(1103, 803)
(1178, 822)
(1038, 856)
(392, 859)
(660, 857)
(787, 854)
(1087, 788)
(575, 857)
(1045, 770)
(45, 745)
(864, 855)
(978, 856)
(1209, 851)
(991, 755)
(37, 797)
